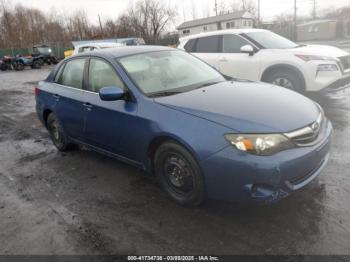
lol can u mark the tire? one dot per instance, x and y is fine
(36, 64)
(286, 79)
(19, 66)
(179, 174)
(3, 67)
(57, 134)
(54, 60)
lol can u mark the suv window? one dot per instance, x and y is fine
(73, 74)
(190, 45)
(208, 44)
(86, 49)
(101, 74)
(233, 43)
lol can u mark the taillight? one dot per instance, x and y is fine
(36, 90)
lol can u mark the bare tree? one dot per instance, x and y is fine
(149, 18)
(244, 5)
(22, 27)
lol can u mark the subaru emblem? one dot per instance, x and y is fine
(315, 126)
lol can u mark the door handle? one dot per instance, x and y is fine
(88, 105)
(223, 60)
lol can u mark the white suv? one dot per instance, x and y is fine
(260, 55)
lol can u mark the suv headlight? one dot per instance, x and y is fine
(327, 67)
(260, 144)
(308, 58)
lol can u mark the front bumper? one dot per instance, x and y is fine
(237, 176)
(338, 85)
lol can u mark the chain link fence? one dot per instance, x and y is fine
(60, 48)
(57, 49)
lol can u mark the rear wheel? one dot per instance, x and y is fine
(57, 134)
(36, 64)
(3, 67)
(179, 174)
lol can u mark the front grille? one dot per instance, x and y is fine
(309, 135)
(345, 61)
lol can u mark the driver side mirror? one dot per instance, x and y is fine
(248, 49)
(111, 93)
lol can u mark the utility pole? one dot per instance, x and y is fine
(295, 20)
(99, 19)
(216, 8)
(314, 10)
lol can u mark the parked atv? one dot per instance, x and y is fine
(7, 63)
(48, 57)
(22, 61)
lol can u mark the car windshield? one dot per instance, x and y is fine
(270, 40)
(165, 73)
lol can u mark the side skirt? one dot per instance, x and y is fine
(113, 155)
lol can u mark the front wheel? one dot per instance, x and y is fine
(287, 80)
(179, 174)
(19, 66)
(57, 134)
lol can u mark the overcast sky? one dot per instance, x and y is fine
(113, 8)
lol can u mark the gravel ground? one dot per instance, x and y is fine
(85, 203)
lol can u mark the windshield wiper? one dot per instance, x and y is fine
(208, 84)
(164, 93)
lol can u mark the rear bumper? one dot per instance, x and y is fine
(237, 176)
(40, 111)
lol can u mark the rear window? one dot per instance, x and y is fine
(208, 44)
(73, 74)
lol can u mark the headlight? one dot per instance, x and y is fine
(327, 67)
(308, 58)
(260, 144)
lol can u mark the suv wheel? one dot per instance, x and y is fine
(287, 80)
(57, 134)
(179, 174)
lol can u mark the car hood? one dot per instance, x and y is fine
(320, 50)
(246, 107)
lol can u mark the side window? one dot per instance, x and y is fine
(189, 46)
(233, 44)
(208, 44)
(73, 73)
(58, 74)
(101, 74)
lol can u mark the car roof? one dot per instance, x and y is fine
(220, 32)
(126, 51)
(99, 45)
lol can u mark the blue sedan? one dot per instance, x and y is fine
(200, 133)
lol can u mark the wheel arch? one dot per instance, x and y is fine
(160, 139)
(285, 68)
(46, 114)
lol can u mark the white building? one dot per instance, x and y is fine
(240, 19)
